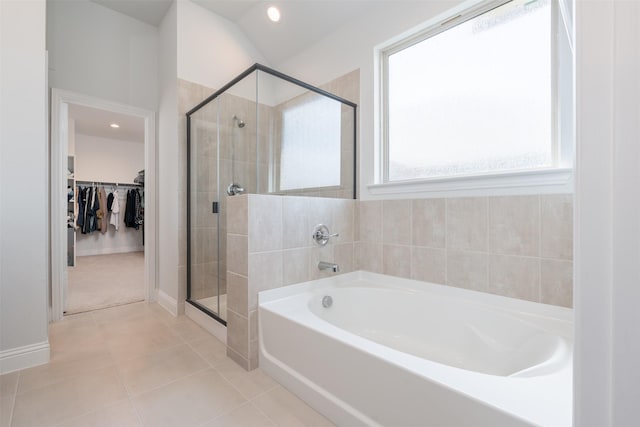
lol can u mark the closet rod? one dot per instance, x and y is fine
(123, 184)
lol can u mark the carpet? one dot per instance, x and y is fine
(102, 281)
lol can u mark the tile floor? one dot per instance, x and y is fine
(136, 365)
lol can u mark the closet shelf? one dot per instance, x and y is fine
(122, 184)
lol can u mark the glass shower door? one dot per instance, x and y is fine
(204, 212)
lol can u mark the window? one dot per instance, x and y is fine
(473, 95)
(311, 144)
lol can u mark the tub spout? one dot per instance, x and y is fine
(322, 265)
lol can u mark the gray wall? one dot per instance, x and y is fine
(96, 51)
(23, 175)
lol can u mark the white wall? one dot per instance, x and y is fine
(607, 226)
(211, 49)
(626, 216)
(351, 47)
(105, 159)
(96, 51)
(23, 167)
(199, 46)
(168, 158)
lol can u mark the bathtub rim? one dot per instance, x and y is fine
(509, 304)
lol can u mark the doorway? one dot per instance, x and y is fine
(103, 201)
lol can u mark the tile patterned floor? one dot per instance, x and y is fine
(136, 365)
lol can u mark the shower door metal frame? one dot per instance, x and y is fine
(241, 76)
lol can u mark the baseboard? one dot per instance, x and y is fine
(109, 251)
(212, 326)
(27, 356)
(168, 303)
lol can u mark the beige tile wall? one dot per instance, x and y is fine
(516, 246)
(270, 246)
(203, 268)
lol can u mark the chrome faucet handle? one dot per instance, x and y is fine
(321, 234)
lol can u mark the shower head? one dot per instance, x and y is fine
(239, 121)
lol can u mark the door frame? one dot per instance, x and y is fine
(60, 100)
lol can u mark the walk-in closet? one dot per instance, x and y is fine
(105, 218)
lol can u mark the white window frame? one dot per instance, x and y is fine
(555, 179)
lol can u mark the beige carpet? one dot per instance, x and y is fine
(102, 281)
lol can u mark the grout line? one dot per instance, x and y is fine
(233, 386)
(412, 203)
(66, 420)
(446, 243)
(199, 355)
(488, 242)
(15, 398)
(260, 409)
(267, 391)
(192, 374)
(539, 249)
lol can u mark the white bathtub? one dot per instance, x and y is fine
(398, 352)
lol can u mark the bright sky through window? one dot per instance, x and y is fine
(475, 98)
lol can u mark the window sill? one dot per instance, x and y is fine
(547, 181)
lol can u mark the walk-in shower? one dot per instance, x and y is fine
(264, 133)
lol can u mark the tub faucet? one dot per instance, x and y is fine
(322, 265)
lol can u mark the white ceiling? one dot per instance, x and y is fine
(149, 11)
(95, 122)
(303, 22)
(230, 9)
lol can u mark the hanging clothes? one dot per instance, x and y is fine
(134, 211)
(88, 211)
(102, 212)
(96, 208)
(76, 201)
(92, 208)
(82, 203)
(139, 210)
(128, 210)
(109, 201)
(115, 210)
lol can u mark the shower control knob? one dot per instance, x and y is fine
(321, 234)
(234, 189)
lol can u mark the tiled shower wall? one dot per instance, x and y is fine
(189, 95)
(270, 246)
(516, 246)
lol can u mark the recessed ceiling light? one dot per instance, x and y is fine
(114, 125)
(273, 13)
